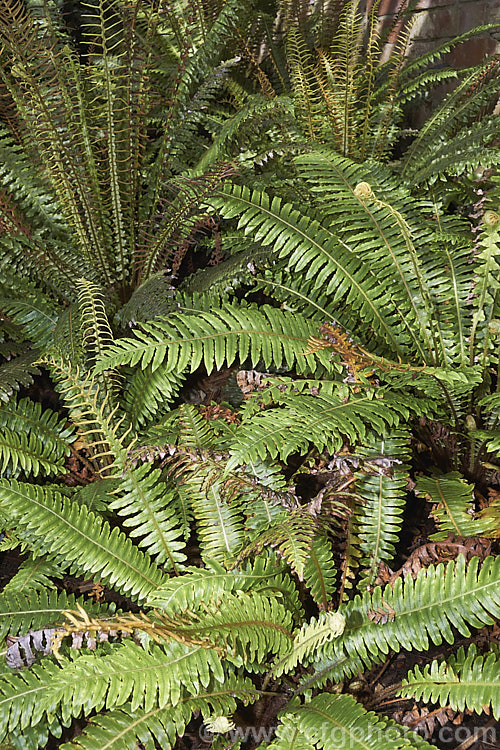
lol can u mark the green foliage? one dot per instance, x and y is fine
(257, 330)
(466, 680)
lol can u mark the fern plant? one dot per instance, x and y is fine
(234, 551)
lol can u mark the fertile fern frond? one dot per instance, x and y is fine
(465, 681)
(217, 338)
(412, 614)
(453, 508)
(77, 538)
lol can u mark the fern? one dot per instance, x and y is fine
(215, 338)
(340, 719)
(21, 611)
(466, 681)
(416, 616)
(113, 555)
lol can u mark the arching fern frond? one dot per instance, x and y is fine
(411, 615)
(216, 338)
(77, 538)
(148, 509)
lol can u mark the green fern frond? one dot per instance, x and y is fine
(381, 489)
(21, 611)
(288, 736)
(453, 507)
(292, 537)
(28, 416)
(321, 420)
(124, 727)
(466, 681)
(383, 224)
(148, 509)
(329, 721)
(35, 313)
(304, 84)
(320, 573)
(17, 373)
(177, 669)
(202, 587)
(34, 574)
(359, 288)
(462, 105)
(486, 300)
(77, 538)
(149, 393)
(410, 615)
(154, 298)
(252, 627)
(312, 636)
(28, 454)
(217, 338)
(32, 441)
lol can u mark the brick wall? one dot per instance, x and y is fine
(440, 20)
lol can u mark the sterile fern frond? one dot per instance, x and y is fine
(341, 717)
(310, 638)
(77, 538)
(465, 681)
(202, 587)
(453, 508)
(216, 338)
(17, 373)
(124, 727)
(320, 573)
(323, 420)
(410, 615)
(381, 488)
(292, 536)
(35, 573)
(21, 611)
